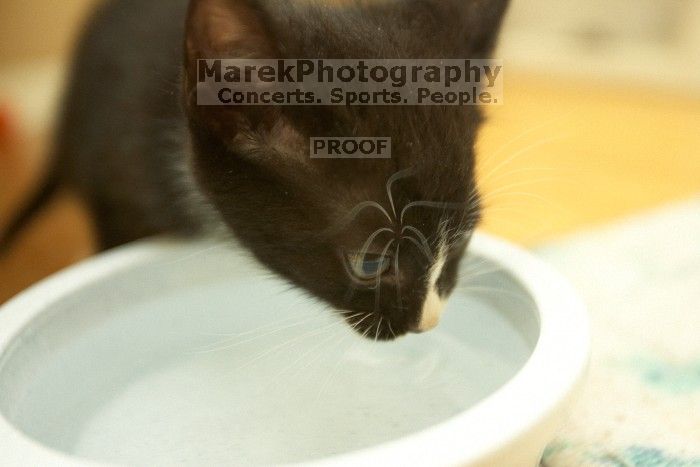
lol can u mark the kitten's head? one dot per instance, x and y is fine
(378, 239)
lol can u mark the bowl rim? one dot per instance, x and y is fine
(531, 396)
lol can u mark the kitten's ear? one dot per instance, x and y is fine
(226, 29)
(469, 27)
(483, 19)
(221, 29)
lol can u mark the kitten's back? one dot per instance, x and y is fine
(120, 138)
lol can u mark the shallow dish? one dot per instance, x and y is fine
(165, 353)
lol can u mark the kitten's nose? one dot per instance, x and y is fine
(431, 312)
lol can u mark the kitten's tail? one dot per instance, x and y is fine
(31, 208)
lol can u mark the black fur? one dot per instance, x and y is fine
(148, 160)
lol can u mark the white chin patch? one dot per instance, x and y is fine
(432, 310)
(433, 305)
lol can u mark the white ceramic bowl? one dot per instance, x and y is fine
(164, 353)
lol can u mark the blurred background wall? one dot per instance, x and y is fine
(36, 40)
(35, 29)
(557, 33)
(656, 42)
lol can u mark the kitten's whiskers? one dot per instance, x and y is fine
(354, 212)
(393, 179)
(421, 237)
(429, 204)
(378, 284)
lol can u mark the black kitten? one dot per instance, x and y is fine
(378, 239)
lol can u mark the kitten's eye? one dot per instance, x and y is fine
(370, 266)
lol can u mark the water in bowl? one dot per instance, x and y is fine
(224, 369)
